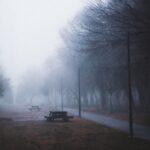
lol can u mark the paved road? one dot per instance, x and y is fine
(140, 131)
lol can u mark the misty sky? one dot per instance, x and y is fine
(29, 32)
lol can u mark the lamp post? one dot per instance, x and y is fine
(79, 93)
(129, 87)
(61, 91)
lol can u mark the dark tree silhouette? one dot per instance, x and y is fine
(99, 34)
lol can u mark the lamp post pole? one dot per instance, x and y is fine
(79, 93)
(129, 87)
(62, 103)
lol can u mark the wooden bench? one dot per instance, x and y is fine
(58, 115)
(35, 108)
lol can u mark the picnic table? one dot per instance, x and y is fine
(36, 107)
(58, 115)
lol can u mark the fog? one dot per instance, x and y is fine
(60, 58)
(58, 53)
(30, 32)
(33, 55)
(29, 35)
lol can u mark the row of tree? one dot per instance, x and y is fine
(97, 41)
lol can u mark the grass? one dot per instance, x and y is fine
(74, 135)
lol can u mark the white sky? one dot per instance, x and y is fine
(29, 32)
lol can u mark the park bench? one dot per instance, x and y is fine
(35, 108)
(58, 115)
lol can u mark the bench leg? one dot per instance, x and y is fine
(65, 119)
(50, 119)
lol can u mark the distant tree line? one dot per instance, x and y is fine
(6, 95)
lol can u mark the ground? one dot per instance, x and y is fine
(77, 134)
(28, 130)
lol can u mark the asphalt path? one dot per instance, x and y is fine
(139, 131)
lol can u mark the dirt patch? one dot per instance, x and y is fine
(75, 135)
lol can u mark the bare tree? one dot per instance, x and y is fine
(100, 33)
